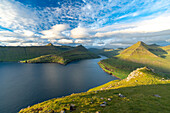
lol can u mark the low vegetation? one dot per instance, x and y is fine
(142, 91)
(65, 57)
(138, 55)
(141, 76)
(118, 68)
(106, 52)
(15, 54)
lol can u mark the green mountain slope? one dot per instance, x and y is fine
(140, 49)
(138, 55)
(142, 92)
(140, 76)
(166, 54)
(106, 52)
(13, 53)
(65, 57)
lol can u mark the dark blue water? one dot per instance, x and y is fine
(22, 85)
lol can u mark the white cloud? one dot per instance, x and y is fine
(24, 33)
(30, 44)
(28, 33)
(10, 39)
(81, 32)
(168, 40)
(80, 41)
(65, 41)
(14, 15)
(139, 29)
(13, 44)
(55, 32)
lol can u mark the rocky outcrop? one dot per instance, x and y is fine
(137, 72)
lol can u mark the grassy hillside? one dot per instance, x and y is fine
(138, 55)
(166, 54)
(118, 68)
(46, 59)
(142, 92)
(14, 53)
(138, 50)
(145, 54)
(106, 52)
(65, 57)
(140, 76)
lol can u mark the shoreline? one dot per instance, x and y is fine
(64, 64)
(84, 92)
(107, 71)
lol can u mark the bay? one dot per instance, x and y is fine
(22, 85)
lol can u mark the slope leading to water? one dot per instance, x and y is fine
(140, 76)
(65, 57)
(142, 92)
(138, 55)
(106, 52)
(16, 53)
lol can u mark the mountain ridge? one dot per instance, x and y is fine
(140, 49)
(49, 44)
(76, 53)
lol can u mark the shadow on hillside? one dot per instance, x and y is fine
(153, 87)
(158, 51)
(106, 52)
(132, 65)
(109, 54)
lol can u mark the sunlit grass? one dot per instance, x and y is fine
(65, 57)
(139, 97)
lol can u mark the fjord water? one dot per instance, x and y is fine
(22, 85)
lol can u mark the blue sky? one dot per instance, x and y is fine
(93, 23)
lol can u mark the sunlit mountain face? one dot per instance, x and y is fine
(92, 23)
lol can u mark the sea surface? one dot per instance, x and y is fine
(22, 85)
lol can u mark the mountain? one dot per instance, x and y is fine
(145, 54)
(80, 48)
(77, 53)
(49, 53)
(130, 95)
(155, 45)
(49, 44)
(13, 53)
(106, 52)
(138, 55)
(140, 49)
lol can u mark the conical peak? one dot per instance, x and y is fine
(134, 48)
(141, 43)
(80, 46)
(50, 44)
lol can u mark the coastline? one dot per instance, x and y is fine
(67, 61)
(106, 69)
(95, 96)
(70, 95)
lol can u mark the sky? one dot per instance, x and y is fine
(92, 23)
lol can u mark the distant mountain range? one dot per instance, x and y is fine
(77, 53)
(45, 54)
